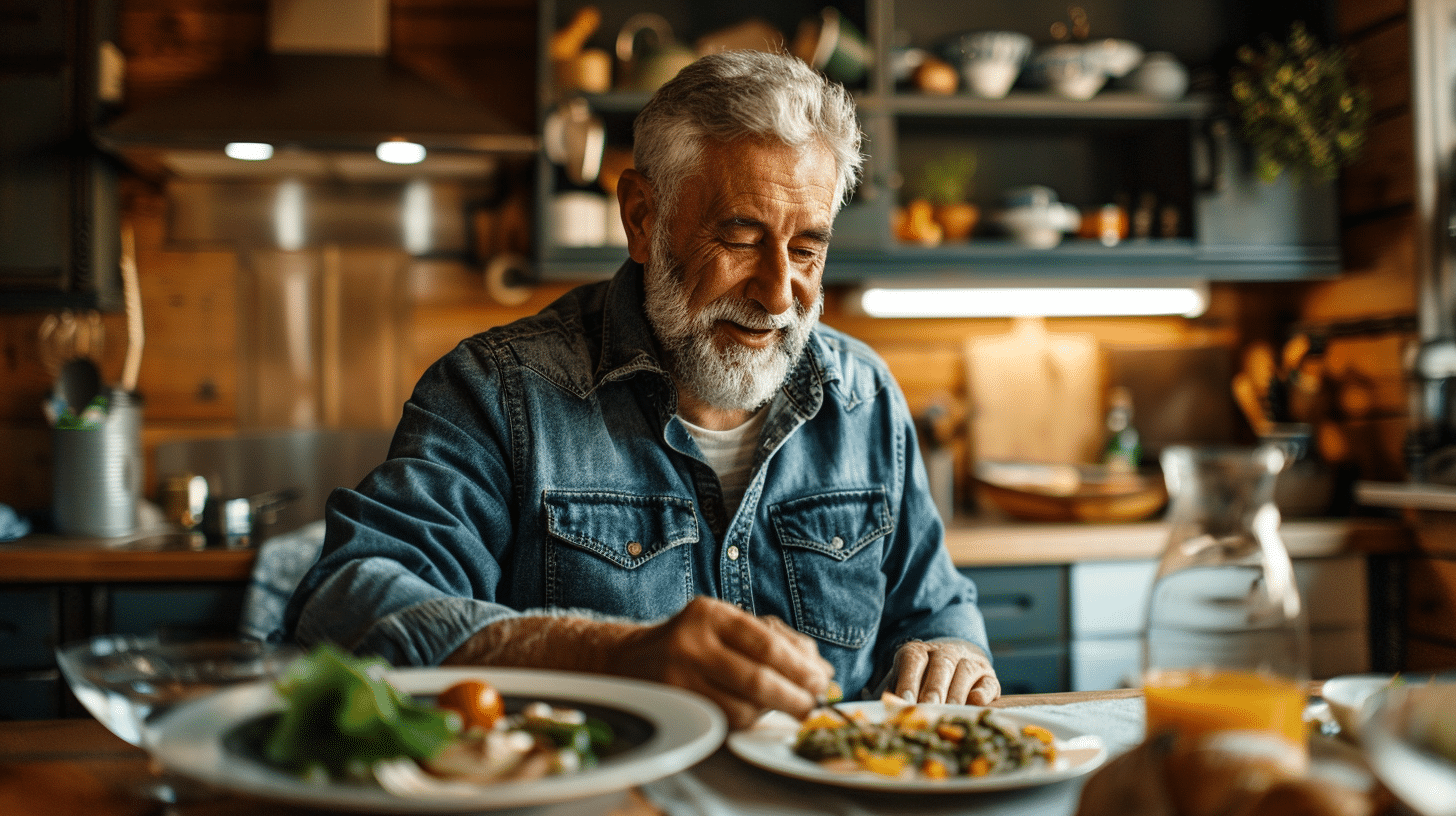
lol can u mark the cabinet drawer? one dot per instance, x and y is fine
(1106, 663)
(1031, 670)
(1110, 598)
(30, 698)
(29, 623)
(145, 609)
(1021, 603)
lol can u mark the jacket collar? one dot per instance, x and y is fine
(629, 346)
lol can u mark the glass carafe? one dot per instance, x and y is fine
(1226, 640)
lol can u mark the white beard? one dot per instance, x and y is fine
(733, 378)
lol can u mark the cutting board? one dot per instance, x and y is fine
(1034, 395)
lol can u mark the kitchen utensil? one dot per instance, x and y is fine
(989, 61)
(649, 53)
(132, 302)
(1035, 396)
(575, 138)
(833, 46)
(79, 383)
(65, 335)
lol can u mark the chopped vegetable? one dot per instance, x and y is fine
(910, 741)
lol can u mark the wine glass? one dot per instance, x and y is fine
(128, 682)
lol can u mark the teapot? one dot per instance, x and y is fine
(649, 53)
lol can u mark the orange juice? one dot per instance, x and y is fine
(1200, 702)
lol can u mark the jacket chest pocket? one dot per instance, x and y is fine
(619, 553)
(833, 545)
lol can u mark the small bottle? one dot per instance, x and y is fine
(1226, 641)
(1124, 450)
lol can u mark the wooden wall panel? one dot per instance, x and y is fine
(1384, 176)
(1431, 609)
(1381, 62)
(1355, 15)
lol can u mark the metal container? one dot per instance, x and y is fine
(98, 472)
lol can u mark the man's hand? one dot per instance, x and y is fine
(944, 670)
(746, 665)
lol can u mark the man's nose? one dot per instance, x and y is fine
(772, 285)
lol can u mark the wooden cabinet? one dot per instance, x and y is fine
(59, 229)
(1216, 221)
(35, 619)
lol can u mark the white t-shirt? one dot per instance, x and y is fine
(730, 454)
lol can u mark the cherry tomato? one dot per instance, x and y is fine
(476, 701)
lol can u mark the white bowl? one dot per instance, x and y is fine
(989, 61)
(1115, 57)
(1070, 70)
(1348, 694)
(1161, 76)
(1409, 739)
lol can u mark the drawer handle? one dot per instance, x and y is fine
(1005, 606)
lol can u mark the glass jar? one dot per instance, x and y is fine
(1226, 641)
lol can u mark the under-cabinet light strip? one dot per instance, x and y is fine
(1012, 301)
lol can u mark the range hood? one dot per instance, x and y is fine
(325, 90)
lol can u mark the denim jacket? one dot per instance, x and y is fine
(539, 466)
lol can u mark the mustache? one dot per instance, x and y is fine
(751, 315)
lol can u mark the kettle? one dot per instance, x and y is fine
(649, 53)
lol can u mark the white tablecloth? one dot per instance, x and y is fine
(723, 785)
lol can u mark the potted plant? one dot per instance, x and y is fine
(946, 182)
(1298, 107)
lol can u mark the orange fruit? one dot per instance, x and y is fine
(476, 701)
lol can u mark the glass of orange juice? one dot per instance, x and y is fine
(1226, 642)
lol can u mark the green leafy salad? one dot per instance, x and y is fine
(341, 719)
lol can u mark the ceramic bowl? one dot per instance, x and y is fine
(989, 61)
(1070, 70)
(1161, 76)
(1116, 57)
(1408, 735)
(1348, 695)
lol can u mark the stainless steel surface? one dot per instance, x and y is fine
(327, 83)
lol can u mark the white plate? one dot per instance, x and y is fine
(769, 744)
(684, 728)
(1348, 694)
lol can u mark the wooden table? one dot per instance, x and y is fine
(76, 767)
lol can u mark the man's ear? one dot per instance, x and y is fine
(638, 211)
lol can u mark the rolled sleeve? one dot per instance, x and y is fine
(376, 606)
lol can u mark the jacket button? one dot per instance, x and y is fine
(732, 552)
(837, 543)
(634, 549)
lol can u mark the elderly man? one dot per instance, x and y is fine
(676, 474)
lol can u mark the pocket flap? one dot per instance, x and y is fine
(626, 529)
(837, 524)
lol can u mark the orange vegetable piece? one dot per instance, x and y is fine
(822, 720)
(476, 701)
(882, 764)
(934, 769)
(980, 766)
(951, 731)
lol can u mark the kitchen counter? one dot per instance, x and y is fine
(152, 556)
(979, 543)
(170, 556)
